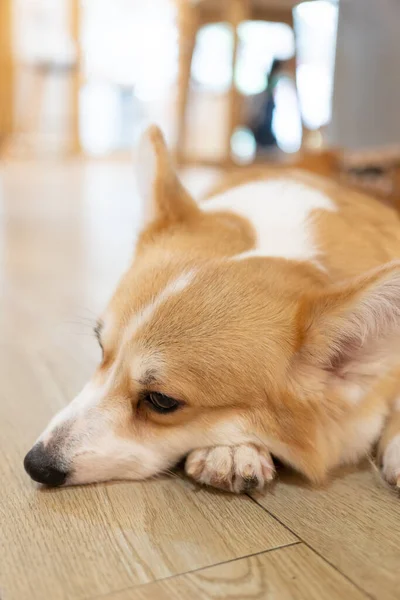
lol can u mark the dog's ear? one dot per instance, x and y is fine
(352, 331)
(165, 199)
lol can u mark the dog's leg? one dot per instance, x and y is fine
(231, 468)
(389, 449)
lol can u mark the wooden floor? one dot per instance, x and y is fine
(66, 233)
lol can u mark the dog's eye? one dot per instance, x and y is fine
(161, 403)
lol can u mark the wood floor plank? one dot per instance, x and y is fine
(354, 523)
(292, 573)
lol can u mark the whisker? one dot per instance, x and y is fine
(89, 334)
(81, 307)
(171, 473)
(85, 319)
(80, 323)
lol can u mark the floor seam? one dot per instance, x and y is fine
(302, 541)
(217, 564)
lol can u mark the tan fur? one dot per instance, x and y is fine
(277, 353)
(252, 374)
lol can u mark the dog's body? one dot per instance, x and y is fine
(266, 320)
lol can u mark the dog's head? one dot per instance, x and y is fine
(201, 349)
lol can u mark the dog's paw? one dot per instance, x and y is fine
(391, 462)
(235, 469)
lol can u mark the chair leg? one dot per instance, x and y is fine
(75, 143)
(6, 72)
(237, 12)
(40, 79)
(188, 26)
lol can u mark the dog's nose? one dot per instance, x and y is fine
(42, 467)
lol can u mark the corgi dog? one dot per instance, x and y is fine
(262, 323)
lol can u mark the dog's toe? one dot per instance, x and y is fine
(235, 469)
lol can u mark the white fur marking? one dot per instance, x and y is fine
(391, 460)
(106, 456)
(279, 211)
(363, 434)
(353, 392)
(144, 315)
(87, 398)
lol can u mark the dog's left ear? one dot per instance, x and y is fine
(165, 199)
(352, 331)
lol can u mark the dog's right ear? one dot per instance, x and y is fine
(165, 199)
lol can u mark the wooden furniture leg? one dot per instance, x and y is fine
(75, 24)
(6, 71)
(188, 26)
(237, 12)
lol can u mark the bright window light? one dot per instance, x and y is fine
(118, 47)
(260, 43)
(99, 117)
(211, 67)
(243, 145)
(286, 123)
(316, 25)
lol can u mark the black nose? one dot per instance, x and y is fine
(43, 468)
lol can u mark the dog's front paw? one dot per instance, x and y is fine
(231, 468)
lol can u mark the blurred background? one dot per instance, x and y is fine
(231, 82)
(226, 80)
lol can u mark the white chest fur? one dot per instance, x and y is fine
(280, 211)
